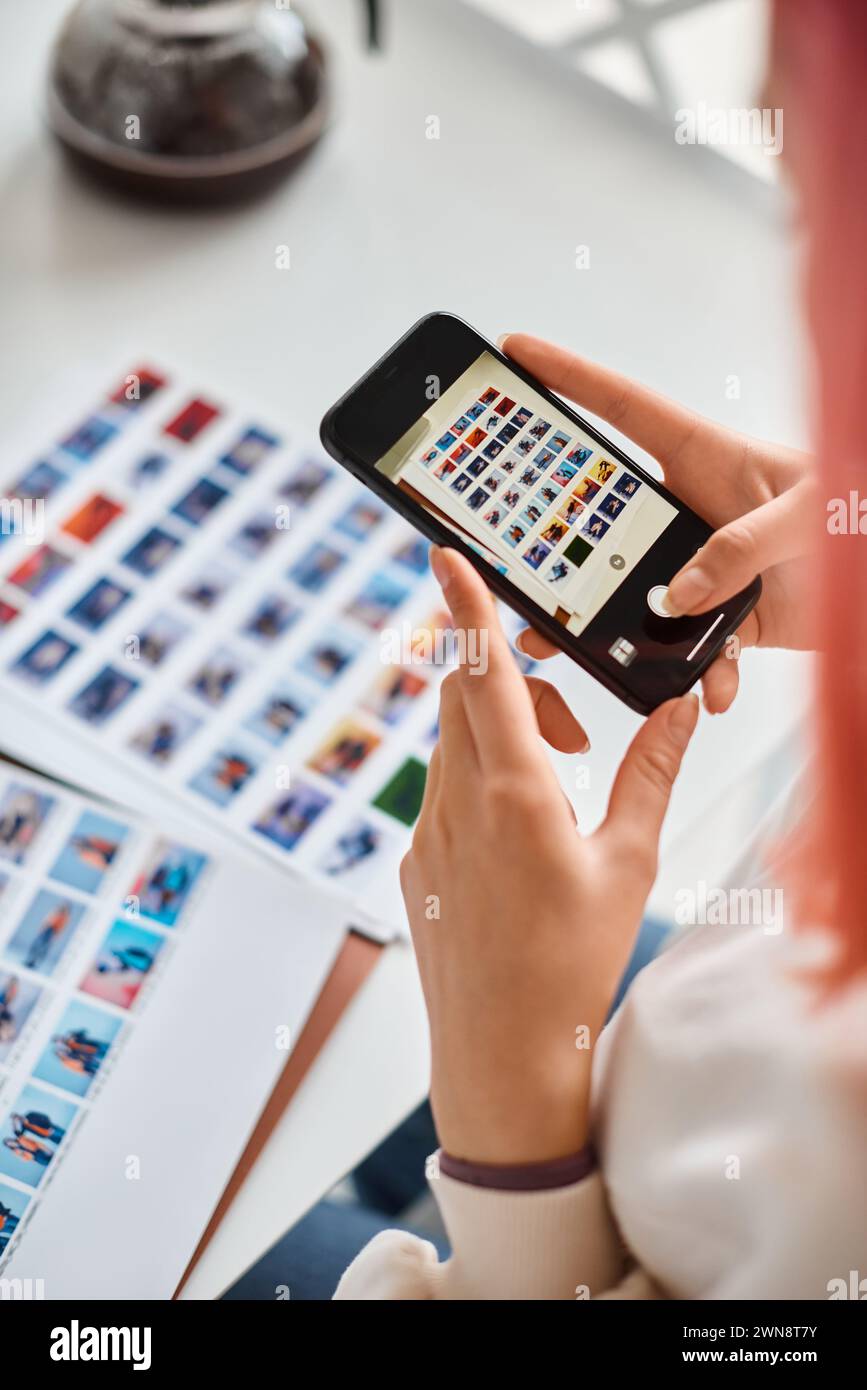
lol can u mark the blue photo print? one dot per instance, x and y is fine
(329, 657)
(202, 498)
(99, 604)
(376, 601)
(23, 812)
(44, 658)
(82, 1040)
(253, 446)
(39, 482)
(303, 483)
(360, 519)
(13, 1204)
(273, 615)
(226, 773)
(151, 552)
(162, 888)
(44, 932)
(103, 695)
(289, 818)
(87, 440)
(627, 486)
(413, 554)
(32, 1132)
(90, 851)
(315, 569)
(278, 714)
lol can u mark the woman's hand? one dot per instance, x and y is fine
(759, 494)
(523, 927)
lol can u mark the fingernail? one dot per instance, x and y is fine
(519, 643)
(439, 563)
(683, 718)
(502, 338)
(586, 748)
(686, 590)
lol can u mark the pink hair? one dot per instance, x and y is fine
(820, 62)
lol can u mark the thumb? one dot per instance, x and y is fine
(642, 788)
(733, 556)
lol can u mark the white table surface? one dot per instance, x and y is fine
(688, 285)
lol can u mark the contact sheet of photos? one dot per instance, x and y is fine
(230, 615)
(92, 906)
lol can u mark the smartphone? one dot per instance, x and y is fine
(570, 532)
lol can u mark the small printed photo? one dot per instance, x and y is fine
(554, 532)
(509, 464)
(461, 483)
(39, 482)
(159, 637)
(393, 694)
(8, 614)
(147, 470)
(429, 457)
(535, 554)
(476, 409)
(137, 387)
(75, 1054)
(531, 514)
(217, 677)
(493, 480)
(511, 497)
(329, 657)
(17, 1001)
(188, 424)
(540, 429)
(360, 519)
(493, 449)
(103, 695)
(227, 771)
(515, 533)
(376, 601)
(611, 506)
(603, 470)
(559, 572)
(276, 717)
(44, 932)
(478, 499)
(626, 485)
(89, 438)
(401, 797)
(164, 733)
(23, 812)
(579, 455)
(506, 406)
(197, 504)
(249, 451)
(289, 818)
(91, 519)
(489, 396)
(546, 495)
(305, 480)
(273, 615)
(475, 437)
(13, 1204)
(578, 550)
(462, 424)
(314, 570)
(162, 889)
(544, 457)
(151, 552)
(570, 510)
(258, 532)
(38, 571)
(558, 441)
(586, 490)
(446, 441)
(344, 751)
(100, 603)
(507, 433)
(44, 658)
(208, 587)
(89, 853)
(529, 476)
(445, 469)
(477, 466)
(595, 527)
(413, 553)
(564, 473)
(354, 850)
(462, 452)
(123, 962)
(32, 1132)
(493, 517)
(521, 416)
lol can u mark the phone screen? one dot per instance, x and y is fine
(537, 496)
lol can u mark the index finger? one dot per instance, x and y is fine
(498, 705)
(659, 425)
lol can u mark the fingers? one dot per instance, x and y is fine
(557, 724)
(496, 700)
(733, 556)
(720, 684)
(657, 424)
(533, 644)
(642, 787)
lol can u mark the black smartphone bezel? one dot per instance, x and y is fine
(341, 450)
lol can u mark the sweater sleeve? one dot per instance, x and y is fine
(559, 1243)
